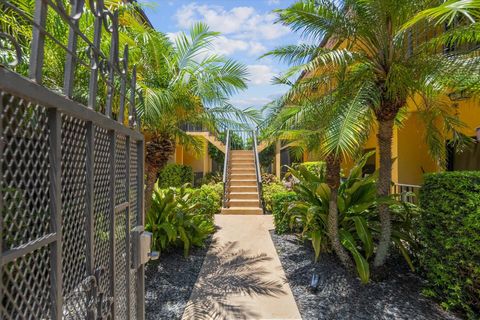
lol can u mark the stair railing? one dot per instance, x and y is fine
(257, 168)
(225, 169)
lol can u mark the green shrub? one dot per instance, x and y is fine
(268, 178)
(175, 220)
(449, 237)
(280, 203)
(212, 178)
(315, 167)
(175, 175)
(209, 198)
(268, 191)
(358, 221)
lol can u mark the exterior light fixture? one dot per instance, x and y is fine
(314, 283)
(459, 95)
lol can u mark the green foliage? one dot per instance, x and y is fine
(175, 175)
(209, 199)
(358, 221)
(212, 178)
(269, 191)
(216, 155)
(280, 203)
(268, 178)
(449, 237)
(175, 219)
(315, 167)
(266, 156)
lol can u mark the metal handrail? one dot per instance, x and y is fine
(257, 167)
(225, 170)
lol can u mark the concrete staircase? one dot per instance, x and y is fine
(242, 192)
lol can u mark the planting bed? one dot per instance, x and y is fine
(342, 296)
(169, 282)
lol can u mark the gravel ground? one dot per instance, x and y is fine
(341, 296)
(169, 282)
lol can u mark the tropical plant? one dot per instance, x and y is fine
(365, 42)
(269, 191)
(173, 219)
(192, 87)
(358, 222)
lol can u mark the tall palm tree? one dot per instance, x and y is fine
(366, 39)
(334, 125)
(185, 84)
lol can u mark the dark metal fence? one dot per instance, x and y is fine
(71, 168)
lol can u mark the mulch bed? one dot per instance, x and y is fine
(342, 296)
(169, 281)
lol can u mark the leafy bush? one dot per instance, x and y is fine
(449, 237)
(315, 167)
(268, 178)
(280, 203)
(269, 191)
(209, 199)
(358, 220)
(175, 175)
(176, 219)
(212, 178)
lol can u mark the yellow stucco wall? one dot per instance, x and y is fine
(199, 162)
(409, 147)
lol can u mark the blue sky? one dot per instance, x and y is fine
(248, 31)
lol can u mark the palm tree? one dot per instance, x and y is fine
(333, 125)
(186, 84)
(367, 41)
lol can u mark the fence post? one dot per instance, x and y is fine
(89, 208)
(141, 221)
(113, 158)
(38, 41)
(127, 225)
(55, 177)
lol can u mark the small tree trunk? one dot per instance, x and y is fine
(385, 134)
(333, 181)
(158, 151)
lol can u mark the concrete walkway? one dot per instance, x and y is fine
(242, 277)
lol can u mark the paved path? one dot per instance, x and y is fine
(242, 277)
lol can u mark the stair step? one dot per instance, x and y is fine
(241, 161)
(246, 211)
(243, 188)
(243, 176)
(241, 203)
(247, 183)
(243, 195)
(243, 171)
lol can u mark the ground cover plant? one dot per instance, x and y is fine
(449, 236)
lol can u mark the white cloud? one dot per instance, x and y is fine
(272, 2)
(241, 22)
(260, 73)
(250, 102)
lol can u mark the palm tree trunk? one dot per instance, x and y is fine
(384, 136)
(333, 181)
(158, 151)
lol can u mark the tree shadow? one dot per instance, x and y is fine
(227, 272)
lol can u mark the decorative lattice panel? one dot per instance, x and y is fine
(102, 207)
(74, 152)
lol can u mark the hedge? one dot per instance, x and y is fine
(175, 175)
(280, 201)
(449, 238)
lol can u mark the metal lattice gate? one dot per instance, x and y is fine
(71, 189)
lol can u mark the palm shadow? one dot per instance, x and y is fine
(227, 272)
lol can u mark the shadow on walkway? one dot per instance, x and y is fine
(228, 274)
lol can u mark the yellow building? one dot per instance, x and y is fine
(410, 150)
